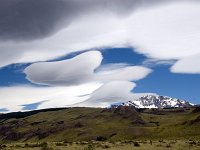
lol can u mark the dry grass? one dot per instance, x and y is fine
(127, 145)
(107, 129)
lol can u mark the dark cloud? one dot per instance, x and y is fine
(33, 19)
(30, 19)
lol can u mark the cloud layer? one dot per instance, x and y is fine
(166, 31)
(13, 98)
(109, 93)
(20, 98)
(34, 31)
(187, 65)
(78, 81)
(73, 71)
(81, 69)
(30, 19)
(169, 32)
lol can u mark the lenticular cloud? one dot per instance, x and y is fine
(81, 69)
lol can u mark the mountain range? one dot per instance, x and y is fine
(156, 101)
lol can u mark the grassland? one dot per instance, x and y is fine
(125, 145)
(101, 128)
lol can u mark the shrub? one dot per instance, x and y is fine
(61, 144)
(44, 144)
(101, 138)
(89, 147)
(191, 142)
(168, 145)
(106, 146)
(78, 125)
(136, 144)
(3, 146)
(161, 141)
(45, 147)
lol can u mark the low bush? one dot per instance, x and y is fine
(89, 147)
(101, 138)
(44, 144)
(136, 144)
(168, 145)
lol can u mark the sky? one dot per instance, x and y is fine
(94, 53)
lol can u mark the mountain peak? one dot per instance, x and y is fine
(157, 101)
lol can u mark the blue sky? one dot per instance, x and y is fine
(160, 81)
(78, 53)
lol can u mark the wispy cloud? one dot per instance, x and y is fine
(155, 62)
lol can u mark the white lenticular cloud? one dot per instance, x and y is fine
(110, 93)
(85, 95)
(129, 73)
(12, 98)
(116, 91)
(187, 65)
(81, 69)
(113, 80)
(68, 72)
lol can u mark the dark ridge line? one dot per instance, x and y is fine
(19, 115)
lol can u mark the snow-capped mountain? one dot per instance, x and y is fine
(154, 101)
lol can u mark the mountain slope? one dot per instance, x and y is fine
(113, 124)
(71, 124)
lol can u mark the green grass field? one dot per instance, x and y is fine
(100, 128)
